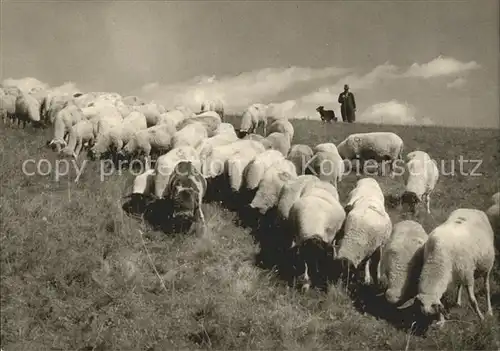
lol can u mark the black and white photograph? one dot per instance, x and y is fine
(249, 175)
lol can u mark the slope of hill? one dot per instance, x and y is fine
(76, 273)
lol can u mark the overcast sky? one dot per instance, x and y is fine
(406, 62)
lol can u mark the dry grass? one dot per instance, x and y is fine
(76, 274)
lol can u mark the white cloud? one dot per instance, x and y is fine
(440, 66)
(237, 91)
(457, 83)
(330, 93)
(392, 112)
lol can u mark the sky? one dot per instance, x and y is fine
(407, 62)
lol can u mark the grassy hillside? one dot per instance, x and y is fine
(76, 273)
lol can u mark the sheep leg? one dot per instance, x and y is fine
(459, 295)
(428, 203)
(368, 277)
(306, 279)
(79, 146)
(489, 311)
(472, 299)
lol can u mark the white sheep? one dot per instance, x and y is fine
(132, 100)
(367, 227)
(65, 119)
(225, 134)
(378, 146)
(27, 108)
(108, 117)
(213, 105)
(402, 260)
(151, 111)
(326, 164)
(456, 251)
(493, 213)
(291, 192)
(235, 166)
(190, 135)
(8, 103)
(210, 119)
(314, 223)
(79, 134)
(254, 116)
(256, 169)
(119, 134)
(279, 142)
(282, 126)
(186, 111)
(421, 177)
(215, 162)
(270, 186)
(165, 165)
(319, 187)
(157, 138)
(300, 154)
(53, 103)
(172, 118)
(142, 190)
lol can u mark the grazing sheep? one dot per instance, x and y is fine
(157, 138)
(254, 116)
(456, 251)
(378, 146)
(215, 162)
(173, 118)
(186, 111)
(8, 103)
(275, 177)
(282, 126)
(256, 169)
(27, 109)
(210, 119)
(118, 135)
(493, 213)
(65, 119)
(299, 155)
(108, 118)
(326, 115)
(185, 190)
(224, 135)
(326, 164)
(402, 261)
(291, 192)
(151, 111)
(80, 133)
(165, 165)
(319, 187)
(235, 166)
(421, 177)
(279, 142)
(52, 104)
(142, 190)
(190, 135)
(315, 223)
(367, 227)
(213, 105)
(133, 101)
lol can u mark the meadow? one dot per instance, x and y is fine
(77, 273)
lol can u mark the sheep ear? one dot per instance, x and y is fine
(407, 304)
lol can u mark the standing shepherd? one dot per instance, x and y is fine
(347, 105)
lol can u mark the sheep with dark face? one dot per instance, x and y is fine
(185, 191)
(326, 115)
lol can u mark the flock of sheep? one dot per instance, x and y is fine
(198, 152)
